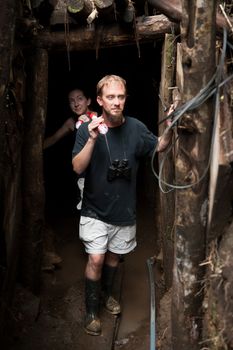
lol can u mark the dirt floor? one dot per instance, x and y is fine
(54, 321)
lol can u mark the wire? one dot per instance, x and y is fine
(212, 87)
(150, 262)
(158, 176)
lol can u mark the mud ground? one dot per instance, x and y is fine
(53, 321)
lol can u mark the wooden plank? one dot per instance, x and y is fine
(226, 124)
(167, 200)
(220, 186)
(198, 64)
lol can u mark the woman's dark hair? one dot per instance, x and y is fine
(85, 91)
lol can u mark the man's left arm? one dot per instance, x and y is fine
(165, 139)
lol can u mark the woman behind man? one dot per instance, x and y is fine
(79, 103)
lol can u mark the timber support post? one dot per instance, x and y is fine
(10, 160)
(167, 199)
(33, 187)
(197, 65)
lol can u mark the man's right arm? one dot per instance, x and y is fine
(82, 159)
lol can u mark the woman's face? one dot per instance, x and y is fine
(78, 102)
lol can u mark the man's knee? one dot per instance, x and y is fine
(95, 262)
(112, 259)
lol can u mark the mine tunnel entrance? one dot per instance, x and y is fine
(59, 322)
(143, 78)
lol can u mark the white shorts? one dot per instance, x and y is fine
(98, 236)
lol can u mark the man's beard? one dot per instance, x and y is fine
(115, 118)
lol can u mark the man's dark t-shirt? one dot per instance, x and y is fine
(114, 201)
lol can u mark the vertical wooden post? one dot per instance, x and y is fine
(33, 187)
(10, 161)
(198, 64)
(7, 27)
(167, 200)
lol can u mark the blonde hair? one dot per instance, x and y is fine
(107, 80)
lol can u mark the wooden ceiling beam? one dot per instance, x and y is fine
(148, 29)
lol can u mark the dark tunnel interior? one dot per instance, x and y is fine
(83, 69)
(58, 281)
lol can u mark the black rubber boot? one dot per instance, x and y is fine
(108, 277)
(92, 300)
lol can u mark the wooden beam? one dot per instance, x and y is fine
(106, 11)
(173, 10)
(197, 57)
(148, 28)
(80, 9)
(167, 200)
(7, 27)
(32, 169)
(10, 161)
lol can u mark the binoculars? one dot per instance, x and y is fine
(119, 169)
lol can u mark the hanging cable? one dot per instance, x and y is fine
(150, 263)
(209, 90)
